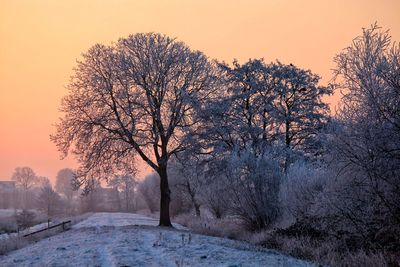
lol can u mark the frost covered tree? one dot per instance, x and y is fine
(124, 184)
(242, 116)
(367, 134)
(299, 112)
(136, 97)
(268, 104)
(64, 180)
(48, 200)
(91, 199)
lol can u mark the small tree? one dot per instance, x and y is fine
(48, 200)
(64, 184)
(25, 219)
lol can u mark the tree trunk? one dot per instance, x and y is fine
(126, 199)
(165, 197)
(287, 142)
(197, 209)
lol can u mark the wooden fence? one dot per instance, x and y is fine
(65, 226)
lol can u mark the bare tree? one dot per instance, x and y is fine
(48, 200)
(42, 181)
(137, 97)
(25, 178)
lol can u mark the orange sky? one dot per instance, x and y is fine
(41, 39)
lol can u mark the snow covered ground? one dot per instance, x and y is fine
(119, 219)
(120, 239)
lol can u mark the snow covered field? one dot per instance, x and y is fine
(120, 239)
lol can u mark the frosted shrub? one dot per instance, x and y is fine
(299, 188)
(254, 186)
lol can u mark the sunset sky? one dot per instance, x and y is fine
(40, 42)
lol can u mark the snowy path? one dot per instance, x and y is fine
(118, 239)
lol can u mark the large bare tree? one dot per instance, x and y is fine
(137, 97)
(25, 178)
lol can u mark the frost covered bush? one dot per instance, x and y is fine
(300, 188)
(7, 224)
(186, 183)
(253, 188)
(25, 219)
(12, 243)
(227, 227)
(362, 203)
(149, 190)
(216, 198)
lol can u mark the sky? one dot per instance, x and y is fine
(40, 41)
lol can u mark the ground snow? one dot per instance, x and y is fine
(119, 219)
(121, 239)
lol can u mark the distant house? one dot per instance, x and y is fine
(7, 186)
(7, 194)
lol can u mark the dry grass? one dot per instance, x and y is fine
(327, 252)
(227, 228)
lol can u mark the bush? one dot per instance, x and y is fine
(252, 186)
(328, 251)
(299, 189)
(25, 219)
(8, 225)
(226, 228)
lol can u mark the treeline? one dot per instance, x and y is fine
(27, 191)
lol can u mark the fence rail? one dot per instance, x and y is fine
(64, 226)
